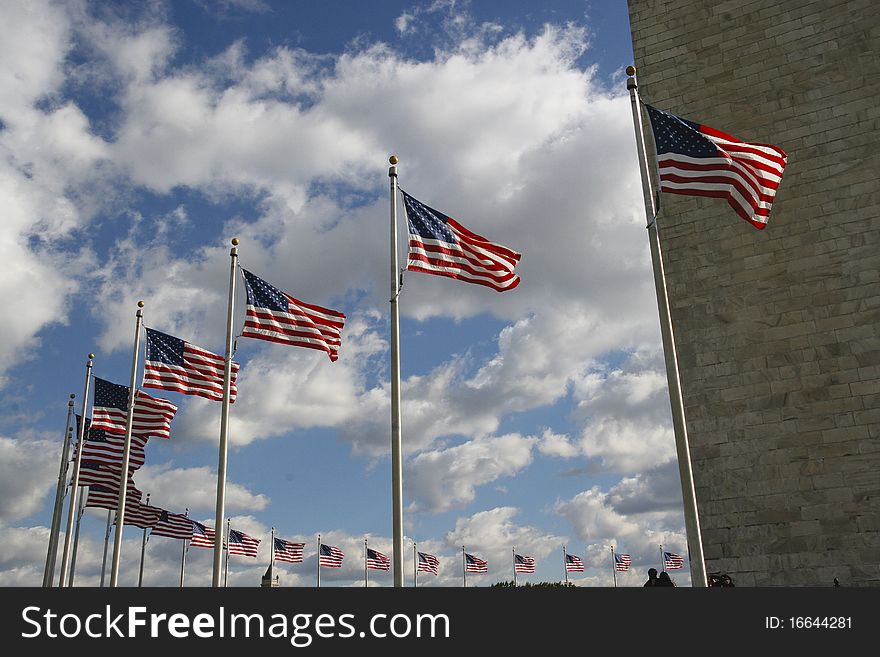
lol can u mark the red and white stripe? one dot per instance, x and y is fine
(333, 559)
(152, 417)
(110, 451)
(202, 374)
(377, 561)
(288, 552)
(202, 535)
(241, 543)
(174, 525)
(428, 563)
(303, 325)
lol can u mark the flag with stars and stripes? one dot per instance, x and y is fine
(474, 564)
(241, 543)
(173, 525)
(174, 364)
(573, 564)
(330, 556)
(202, 535)
(288, 552)
(439, 245)
(377, 561)
(152, 416)
(428, 563)
(144, 516)
(278, 317)
(696, 160)
(672, 561)
(102, 496)
(622, 562)
(523, 564)
(99, 446)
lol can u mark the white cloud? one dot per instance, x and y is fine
(194, 488)
(27, 470)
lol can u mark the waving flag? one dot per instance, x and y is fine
(152, 416)
(202, 535)
(142, 515)
(475, 564)
(439, 245)
(672, 561)
(278, 317)
(622, 562)
(573, 564)
(173, 525)
(377, 561)
(106, 448)
(241, 543)
(102, 496)
(174, 364)
(697, 160)
(523, 564)
(428, 563)
(330, 556)
(288, 552)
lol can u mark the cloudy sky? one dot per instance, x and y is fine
(137, 140)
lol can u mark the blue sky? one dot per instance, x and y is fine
(138, 140)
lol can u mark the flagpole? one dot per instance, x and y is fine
(513, 550)
(415, 566)
(79, 516)
(565, 564)
(106, 541)
(662, 564)
(396, 447)
(272, 559)
(224, 418)
(60, 493)
(126, 450)
(691, 516)
(183, 553)
(74, 478)
(226, 569)
(463, 567)
(143, 551)
(319, 560)
(365, 563)
(613, 567)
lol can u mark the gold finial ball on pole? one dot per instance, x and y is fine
(140, 304)
(91, 356)
(393, 159)
(234, 241)
(630, 70)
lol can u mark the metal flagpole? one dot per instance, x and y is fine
(60, 493)
(513, 550)
(463, 567)
(613, 567)
(74, 478)
(272, 559)
(565, 564)
(224, 419)
(692, 521)
(126, 450)
(662, 564)
(79, 515)
(396, 456)
(143, 551)
(415, 566)
(183, 553)
(106, 541)
(319, 560)
(226, 569)
(365, 563)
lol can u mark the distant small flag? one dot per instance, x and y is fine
(622, 562)
(288, 551)
(672, 561)
(523, 564)
(174, 364)
(152, 416)
(241, 543)
(202, 535)
(697, 160)
(330, 556)
(377, 561)
(174, 525)
(439, 245)
(278, 317)
(573, 564)
(474, 564)
(428, 563)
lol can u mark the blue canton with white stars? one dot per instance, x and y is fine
(263, 295)
(164, 348)
(427, 222)
(110, 395)
(676, 135)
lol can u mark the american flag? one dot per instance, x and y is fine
(278, 317)
(439, 245)
(697, 160)
(330, 556)
(202, 535)
(241, 543)
(289, 552)
(152, 416)
(173, 525)
(523, 564)
(622, 562)
(102, 447)
(106, 497)
(672, 561)
(475, 564)
(142, 515)
(174, 364)
(573, 564)
(377, 561)
(428, 563)
(102, 474)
